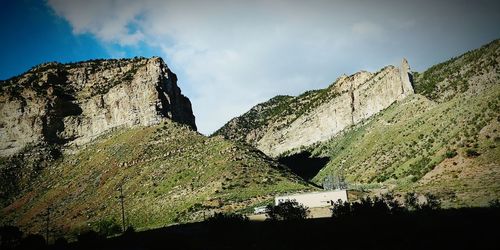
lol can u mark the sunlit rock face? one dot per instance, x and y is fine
(71, 104)
(349, 101)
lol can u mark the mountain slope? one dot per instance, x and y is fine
(444, 139)
(449, 146)
(56, 107)
(169, 174)
(73, 134)
(286, 124)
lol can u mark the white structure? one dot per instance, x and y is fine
(316, 199)
(260, 210)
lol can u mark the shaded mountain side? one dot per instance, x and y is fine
(304, 164)
(284, 124)
(449, 145)
(168, 172)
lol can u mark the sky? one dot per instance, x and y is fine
(232, 55)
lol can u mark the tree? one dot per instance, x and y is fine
(288, 210)
(430, 202)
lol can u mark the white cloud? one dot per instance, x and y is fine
(107, 20)
(230, 55)
(368, 29)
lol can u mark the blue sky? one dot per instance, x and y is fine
(231, 55)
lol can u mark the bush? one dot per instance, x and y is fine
(227, 218)
(494, 203)
(471, 153)
(108, 227)
(288, 210)
(377, 206)
(451, 154)
(430, 202)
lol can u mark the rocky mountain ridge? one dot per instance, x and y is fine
(286, 124)
(443, 139)
(71, 104)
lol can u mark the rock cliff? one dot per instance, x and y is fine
(70, 104)
(288, 123)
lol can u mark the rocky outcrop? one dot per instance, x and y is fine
(349, 101)
(70, 104)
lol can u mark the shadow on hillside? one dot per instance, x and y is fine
(303, 165)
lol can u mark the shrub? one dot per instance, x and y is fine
(430, 202)
(288, 210)
(451, 154)
(108, 227)
(494, 203)
(471, 153)
(383, 205)
(227, 218)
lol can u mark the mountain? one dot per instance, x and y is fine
(443, 139)
(285, 123)
(73, 103)
(57, 107)
(74, 134)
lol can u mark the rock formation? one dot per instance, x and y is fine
(70, 104)
(349, 101)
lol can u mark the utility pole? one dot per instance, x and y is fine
(47, 225)
(123, 208)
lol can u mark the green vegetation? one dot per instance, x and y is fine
(447, 147)
(280, 109)
(55, 75)
(288, 210)
(444, 81)
(108, 227)
(444, 139)
(169, 174)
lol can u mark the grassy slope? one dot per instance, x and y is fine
(169, 174)
(412, 145)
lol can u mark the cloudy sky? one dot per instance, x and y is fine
(231, 55)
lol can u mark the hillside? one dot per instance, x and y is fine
(169, 174)
(73, 134)
(444, 139)
(55, 108)
(448, 144)
(286, 124)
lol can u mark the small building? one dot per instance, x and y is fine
(260, 210)
(315, 199)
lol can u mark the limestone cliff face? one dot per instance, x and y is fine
(317, 116)
(70, 104)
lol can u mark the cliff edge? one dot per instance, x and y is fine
(71, 104)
